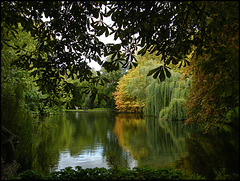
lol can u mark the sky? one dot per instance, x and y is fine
(109, 39)
(104, 39)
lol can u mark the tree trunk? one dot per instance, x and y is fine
(9, 165)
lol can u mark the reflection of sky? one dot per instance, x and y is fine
(89, 157)
(76, 114)
(86, 159)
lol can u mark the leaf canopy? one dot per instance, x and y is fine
(70, 37)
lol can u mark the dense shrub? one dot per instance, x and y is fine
(137, 173)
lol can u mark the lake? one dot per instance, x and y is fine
(106, 139)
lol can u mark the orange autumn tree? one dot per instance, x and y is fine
(124, 101)
(214, 95)
(130, 95)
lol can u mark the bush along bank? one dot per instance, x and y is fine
(137, 173)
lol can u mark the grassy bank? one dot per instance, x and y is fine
(90, 110)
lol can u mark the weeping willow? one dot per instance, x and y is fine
(165, 99)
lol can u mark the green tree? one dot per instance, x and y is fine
(110, 87)
(137, 92)
(92, 94)
(130, 93)
(34, 99)
(14, 118)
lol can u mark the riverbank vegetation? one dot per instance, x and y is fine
(44, 64)
(137, 173)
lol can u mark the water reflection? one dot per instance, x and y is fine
(104, 139)
(90, 142)
(86, 159)
(152, 143)
(76, 115)
(211, 152)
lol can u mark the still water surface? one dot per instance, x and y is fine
(104, 139)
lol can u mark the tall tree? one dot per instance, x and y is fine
(123, 99)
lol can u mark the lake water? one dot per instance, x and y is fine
(105, 139)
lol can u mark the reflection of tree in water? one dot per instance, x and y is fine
(115, 155)
(43, 151)
(131, 135)
(211, 152)
(151, 142)
(89, 130)
(97, 127)
(125, 138)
